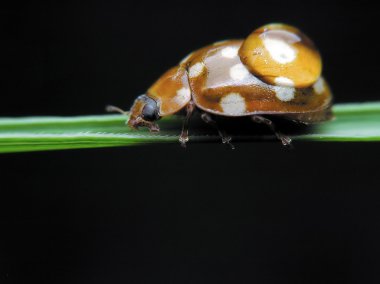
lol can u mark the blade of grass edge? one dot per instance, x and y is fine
(354, 122)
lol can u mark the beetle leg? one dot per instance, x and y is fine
(209, 120)
(285, 140)
(153, 127)
(184, 137)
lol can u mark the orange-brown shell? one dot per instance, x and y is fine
(171, 91)
(282, 55)
(221, 84)
(218, 82)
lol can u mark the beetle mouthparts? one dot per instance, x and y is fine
(135, 123)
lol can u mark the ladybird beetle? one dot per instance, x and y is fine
(275, 71)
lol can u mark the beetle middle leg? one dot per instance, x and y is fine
(209, 120)
(285, 140)
(184, 137)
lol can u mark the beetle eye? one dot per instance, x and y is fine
(150, 110)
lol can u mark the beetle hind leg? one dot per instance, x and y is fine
(285, 140)
(225, 138)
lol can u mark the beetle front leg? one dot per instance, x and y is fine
(184, 137)
(209, 120)
(285, 140)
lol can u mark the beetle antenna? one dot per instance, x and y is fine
(111, 108)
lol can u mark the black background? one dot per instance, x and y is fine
(161, 214)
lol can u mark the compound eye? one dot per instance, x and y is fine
(150, 110)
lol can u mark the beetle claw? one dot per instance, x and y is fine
(285, 140)
(153, 127)
(183, 139)
(227, 141)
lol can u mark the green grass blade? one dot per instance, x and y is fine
(354, 122)
(56, 133)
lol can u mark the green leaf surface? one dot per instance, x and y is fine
(354, 122)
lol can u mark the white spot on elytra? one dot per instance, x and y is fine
(229, 52)
(238, 72)
(183, 96)
(319, 86)
(284, 94)
(233, 104)
(280, 51)
(284, 82)
(196, 70)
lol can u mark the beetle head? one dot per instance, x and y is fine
(144, 112)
